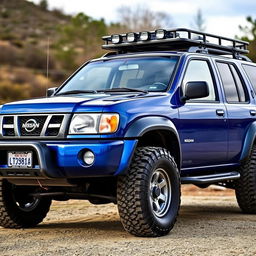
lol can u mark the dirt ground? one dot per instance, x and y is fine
(210, 223)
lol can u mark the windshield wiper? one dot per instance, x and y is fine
(122, 89)
(76, 92)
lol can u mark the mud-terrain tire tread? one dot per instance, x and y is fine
(12, 217)
(134, 219)
(246, 186)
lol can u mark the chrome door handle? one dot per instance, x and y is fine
(253, 112)
(220, 112)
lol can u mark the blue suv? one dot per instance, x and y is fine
(160, 109)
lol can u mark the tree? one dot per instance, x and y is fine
(141, 18)
(199, 21)
(43, 4)
(249, 30)
(80, 40)
(249, 35)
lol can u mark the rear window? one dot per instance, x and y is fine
(251, 73)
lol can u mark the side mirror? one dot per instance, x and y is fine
(51, 91)
(196, 90)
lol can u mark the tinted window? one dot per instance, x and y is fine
(251, 73)
(228, 82)
(233, 86)
(198, 70)
(240, 87)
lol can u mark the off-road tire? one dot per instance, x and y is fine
(12, 216)
(245, 187)
(133, 192)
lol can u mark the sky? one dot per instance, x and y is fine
(222, 17)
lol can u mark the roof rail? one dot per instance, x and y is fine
(178, 39)
(108, 54)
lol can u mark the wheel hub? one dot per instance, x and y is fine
(160, 192)
(156, 192)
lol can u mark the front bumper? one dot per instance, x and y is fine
(62, 159)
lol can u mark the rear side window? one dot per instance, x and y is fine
(233, 85)
(239, 85)
(251, 73)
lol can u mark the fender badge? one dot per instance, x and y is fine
(189, 140)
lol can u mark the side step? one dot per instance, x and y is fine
(211, 178)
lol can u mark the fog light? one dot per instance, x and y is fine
(89, 157)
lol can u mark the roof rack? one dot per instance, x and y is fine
(178, 39)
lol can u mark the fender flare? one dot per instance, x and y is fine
(145, 124)
(153, 123)
(248, 142)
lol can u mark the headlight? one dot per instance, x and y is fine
(94, 123)
(82, 123)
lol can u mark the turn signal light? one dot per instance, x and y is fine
(109, 123)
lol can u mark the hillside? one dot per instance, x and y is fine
(24, 22)
(24, 32)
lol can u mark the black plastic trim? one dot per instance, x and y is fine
(211, 178)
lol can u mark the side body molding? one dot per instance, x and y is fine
(248, 142)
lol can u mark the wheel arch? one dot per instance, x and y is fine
(249, 141)
(157, 131)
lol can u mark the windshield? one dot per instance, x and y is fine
(145, 74)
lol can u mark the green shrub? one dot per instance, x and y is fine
(36, 59)
(10, 91)
(8, 55)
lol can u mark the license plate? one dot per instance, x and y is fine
(20, 159)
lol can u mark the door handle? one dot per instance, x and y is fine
(220, 112)
(253, 112)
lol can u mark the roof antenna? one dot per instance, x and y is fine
(47, 62)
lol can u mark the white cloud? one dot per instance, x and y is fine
(175, 7)
(225, 26)
(222, 17)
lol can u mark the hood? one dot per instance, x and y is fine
(68, 104)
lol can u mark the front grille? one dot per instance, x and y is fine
(9, 132)
(33, 121)
(8, 125)
(37, 126)
(54, 125)
(8, 120)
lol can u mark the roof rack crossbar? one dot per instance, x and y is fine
(179, 39)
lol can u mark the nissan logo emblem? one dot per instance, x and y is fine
(30, 125)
